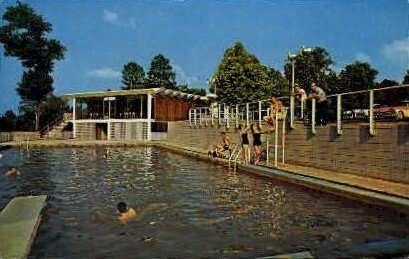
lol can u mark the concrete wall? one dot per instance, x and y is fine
(18, 136)
(384, 156)
(119, 130)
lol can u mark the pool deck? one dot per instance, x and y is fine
(371, 190)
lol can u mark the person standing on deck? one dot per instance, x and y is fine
(322, 104)
(244, 142)
(301, 96)
(258, 148)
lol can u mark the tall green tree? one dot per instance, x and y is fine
(357, 76)
(391, 96)
(313, 67)
(279, 85)
(406, 78)
(8, 121)
(133, 76)
(24, 37)
(191, 90)
(354, 77)
(240, 77)
(161, 73)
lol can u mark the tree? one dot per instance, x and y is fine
(279, 85)
(313, 67)
(8, 121)
(357, 76)
(133, 76)
(52, 106)
(406, 78)
(393, 96)
(191, 90)
(354, 77)
(161, 73)
(240, 77)
(24, 37)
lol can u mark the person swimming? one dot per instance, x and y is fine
(125, 213)
(12, 171)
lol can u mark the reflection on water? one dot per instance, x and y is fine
(185, 208)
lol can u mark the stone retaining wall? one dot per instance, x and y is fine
(19, 136)
(384, 156)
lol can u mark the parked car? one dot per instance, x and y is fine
(384, 112)
(381, 112)
(402, 111)
(356, 114)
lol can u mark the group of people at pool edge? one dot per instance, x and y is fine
(275, 112)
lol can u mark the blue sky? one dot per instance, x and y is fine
(102, 36)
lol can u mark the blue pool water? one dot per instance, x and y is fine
(186, 208)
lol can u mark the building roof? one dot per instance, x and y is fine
(154, 91)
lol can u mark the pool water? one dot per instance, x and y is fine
(185, 207)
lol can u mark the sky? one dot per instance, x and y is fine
(102, 36)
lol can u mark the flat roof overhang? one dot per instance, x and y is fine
(154, 91)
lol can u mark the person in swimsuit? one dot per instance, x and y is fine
(224, 147)
(125, 213)
(275, 107)
(255, 128)
(244, 142)
(12, 172)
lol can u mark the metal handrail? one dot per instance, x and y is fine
(50, 125)
(232, 154)
(246, 112)
(235, 159)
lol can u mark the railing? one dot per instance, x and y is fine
(5, 137)
(50, 125)
(251, 112)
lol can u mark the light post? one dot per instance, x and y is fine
(212, 81)
(292, 58)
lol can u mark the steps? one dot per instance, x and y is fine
(55, 132)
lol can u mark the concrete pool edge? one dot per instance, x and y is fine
(401, 204)
(19, 222)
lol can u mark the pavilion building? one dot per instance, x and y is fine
(137, 114)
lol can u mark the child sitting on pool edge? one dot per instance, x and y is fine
(125, 213)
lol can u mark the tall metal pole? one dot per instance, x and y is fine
(292, 75)
(371, 113)
(247, 114)
(292, 91)
(339, 114)
(276, 141)
(74, 117)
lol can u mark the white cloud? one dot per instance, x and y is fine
(362, 57)
(109, 16)
(112, 17)
(104, 73)
(183, 78)
(397, 51)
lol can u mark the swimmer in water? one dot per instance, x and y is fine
(125, 213)
(12, 171)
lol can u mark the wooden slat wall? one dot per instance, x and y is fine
(167, 109)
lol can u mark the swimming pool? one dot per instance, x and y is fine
(186, 208)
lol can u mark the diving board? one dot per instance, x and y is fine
(19, 222)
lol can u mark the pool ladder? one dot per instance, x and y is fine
(234, 156)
